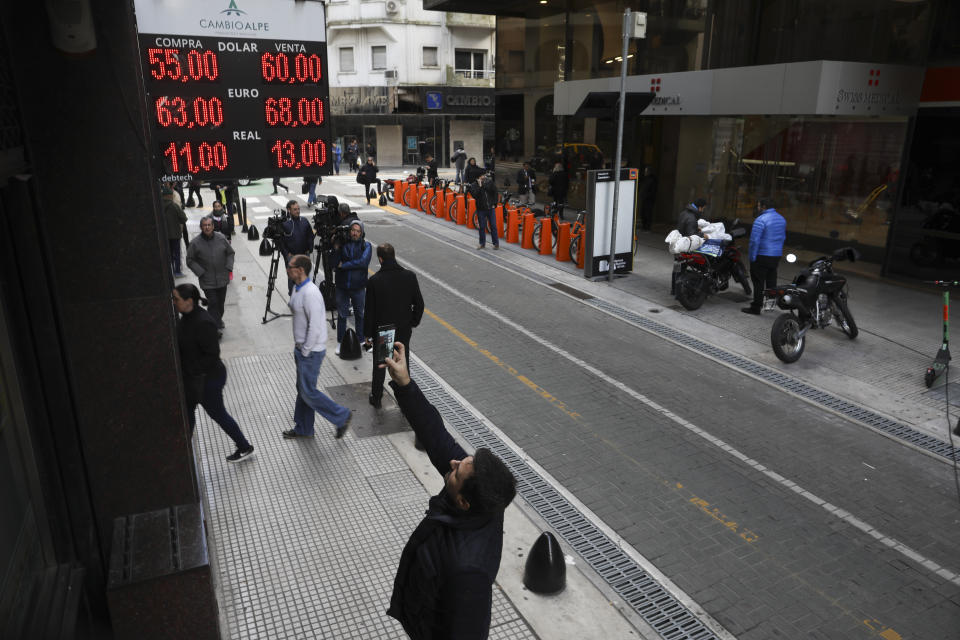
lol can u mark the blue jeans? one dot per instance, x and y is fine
(311, 400)
(312, 195)
(344, 297)
(336, 165)
(484, 217)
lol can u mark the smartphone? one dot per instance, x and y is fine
(386, 334)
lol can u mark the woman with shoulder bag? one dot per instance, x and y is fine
(204, 375)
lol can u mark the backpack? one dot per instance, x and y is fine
(266, 247)
(383, 200)
(360, 177)
(252, 233)
(350, 345)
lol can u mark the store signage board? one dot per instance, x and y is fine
(235, 88)
(599, 222)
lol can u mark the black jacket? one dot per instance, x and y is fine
(559, 185)
(432, 170)
(297, 237)
(444, 584)
(199, 351)
(472, 172)
(367, 174)
(393, 297)
(687, 221)
(485, 195)
(522, 180)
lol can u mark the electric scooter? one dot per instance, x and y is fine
(942, 360)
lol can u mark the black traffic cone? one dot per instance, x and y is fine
(546, 571)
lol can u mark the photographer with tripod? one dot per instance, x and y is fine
(297, 238)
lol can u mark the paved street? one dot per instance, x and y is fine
(778, 517)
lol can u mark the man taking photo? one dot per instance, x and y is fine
(444, 582)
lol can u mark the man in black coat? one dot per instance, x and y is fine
(393, 297)
(367, 176)
(297, 238)
(687, 219)
(444, 583)
(526, 178)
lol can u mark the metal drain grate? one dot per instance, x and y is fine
(576, 293)
(645, 595)
(822, 398)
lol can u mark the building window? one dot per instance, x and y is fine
(468, 63)
(430, 57)
(346, 60)
(379, 56)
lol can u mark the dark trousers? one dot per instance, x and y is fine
(175, 255)
(763, 274)
(216, 299)
(402, 336)
(211, 399)
(367, 185)
(487, 217)
(195, 191)
(277, 183)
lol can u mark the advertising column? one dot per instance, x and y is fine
(600, 185)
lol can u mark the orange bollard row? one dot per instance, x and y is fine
(563, 242)
(513, 226)
(527, 240)
(546, 236)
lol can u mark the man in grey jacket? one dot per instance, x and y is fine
(459, 159)
(210, 256)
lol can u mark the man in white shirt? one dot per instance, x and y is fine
(310, 345)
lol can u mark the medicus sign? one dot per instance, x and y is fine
(235, 88)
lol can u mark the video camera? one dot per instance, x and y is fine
(326, 223)
(274, 229)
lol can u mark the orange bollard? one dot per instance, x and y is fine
(546, 236)
(421, 189)
(528, 222)
(461, 209)
(513, 227)
(447, 202)
(563, 242)
(501, 230)
(582, 248)
(471, 209)
(429, 193)
(398, 188)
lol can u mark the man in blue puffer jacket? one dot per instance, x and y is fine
(766, 246)
(352, 260)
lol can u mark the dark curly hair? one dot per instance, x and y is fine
(491, 486)
(189, 291)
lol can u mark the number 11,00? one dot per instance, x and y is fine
(192, 157)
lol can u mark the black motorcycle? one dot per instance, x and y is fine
(707, 270)
(816, 298)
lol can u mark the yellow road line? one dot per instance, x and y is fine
(392, 210)
(540, 391)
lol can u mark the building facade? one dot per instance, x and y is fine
(844, 112)
(405, 82)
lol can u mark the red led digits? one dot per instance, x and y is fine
(277, 69)
(290, 154)
(171, 64)
(178, 112)
(192, 157)
(279, 112)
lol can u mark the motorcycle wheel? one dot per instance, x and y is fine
(787, 345)
(691, 290)
(741, 276)
(844, 319)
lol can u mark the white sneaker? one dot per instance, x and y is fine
(337, 352)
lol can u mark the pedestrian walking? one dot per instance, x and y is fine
(222, 221)
(277, 183)
(194, 190)
(559, 185)
(353, 155)
(297, 238)
(204, 374)
(393, 297)
(367, 176)
(484, 192)
(352, 259)
(310, 346)
(431, 169)
(490, 162)
(312, 182)
(526, 179)
(337, 155)
(210, 257)
(444, 582)
(174, 218)
(766, 246)
(459, 160)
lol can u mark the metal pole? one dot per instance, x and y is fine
(627, 28)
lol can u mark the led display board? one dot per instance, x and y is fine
(235, 88)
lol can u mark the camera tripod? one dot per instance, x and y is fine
(325, 256)
(271, 286)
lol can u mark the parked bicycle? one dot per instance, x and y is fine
(576, 230)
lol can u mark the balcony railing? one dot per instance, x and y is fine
(474, 74)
